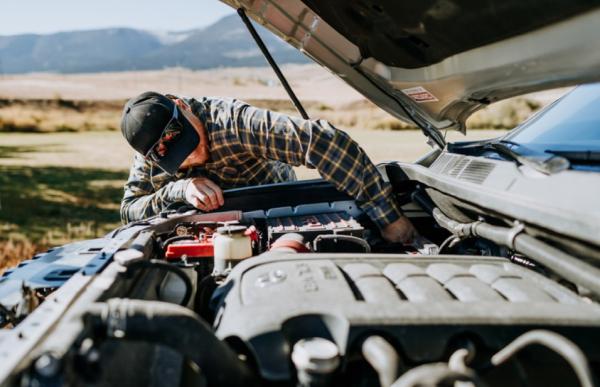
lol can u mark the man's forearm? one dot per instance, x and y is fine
(317, 144)
(140, 205)
(342, 162)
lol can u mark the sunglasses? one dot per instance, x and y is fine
(168, 137)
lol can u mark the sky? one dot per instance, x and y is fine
(47, 16)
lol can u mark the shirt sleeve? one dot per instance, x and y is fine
(141, 200)
(316, 144)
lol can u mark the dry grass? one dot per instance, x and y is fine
(15, 250)
(19, 246)
(504, 114)
(58, 115)
(364, 114)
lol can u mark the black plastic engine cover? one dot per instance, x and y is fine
(313, 225)
(424, 303)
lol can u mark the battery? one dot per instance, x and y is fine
(311, 226)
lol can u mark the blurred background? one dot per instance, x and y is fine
(67, 68)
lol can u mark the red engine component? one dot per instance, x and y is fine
(190, 249)
(199, 247)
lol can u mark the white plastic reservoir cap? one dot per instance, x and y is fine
(316, 355)
(232, 229)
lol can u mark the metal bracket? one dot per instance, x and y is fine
(513, 233)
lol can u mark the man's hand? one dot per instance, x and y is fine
(401, 231)
(203, 194)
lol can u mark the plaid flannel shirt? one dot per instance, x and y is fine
(252, 146)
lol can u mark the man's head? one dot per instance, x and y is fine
(159, 128)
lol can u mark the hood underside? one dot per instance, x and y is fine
(435, 62)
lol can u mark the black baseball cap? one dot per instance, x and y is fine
(151, 119)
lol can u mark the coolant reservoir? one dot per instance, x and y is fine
(230, 244)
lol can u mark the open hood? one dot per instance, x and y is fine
(435, 62)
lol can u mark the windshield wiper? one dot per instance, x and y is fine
(580, 156)
(546, 163)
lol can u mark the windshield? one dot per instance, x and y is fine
(570, 124)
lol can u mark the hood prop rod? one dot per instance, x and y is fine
(269, 58)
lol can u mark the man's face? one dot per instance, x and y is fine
(200, 155)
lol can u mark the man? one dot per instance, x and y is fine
(188, 150)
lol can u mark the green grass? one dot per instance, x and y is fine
(48, 206)
(52, 204)
(43, 206)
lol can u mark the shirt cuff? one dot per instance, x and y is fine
(382, 211)
(176, 190)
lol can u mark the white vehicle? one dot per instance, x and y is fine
(290, 284)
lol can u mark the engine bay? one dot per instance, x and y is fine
(325, 278)
(308, 293)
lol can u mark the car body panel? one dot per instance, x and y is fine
(547, 201)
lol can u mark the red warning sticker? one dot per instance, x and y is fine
(420, 94)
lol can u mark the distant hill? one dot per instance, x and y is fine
(225, 43)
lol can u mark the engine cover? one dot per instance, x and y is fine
(423, 303)
(313, 225)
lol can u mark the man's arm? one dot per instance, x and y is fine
(317, 144)
(141, 200)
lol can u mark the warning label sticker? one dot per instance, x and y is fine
(420, 94)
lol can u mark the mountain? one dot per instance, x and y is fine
(225, 43)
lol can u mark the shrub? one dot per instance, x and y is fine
(15, 250)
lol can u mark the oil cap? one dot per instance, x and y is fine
(230, 229)
(315, 358)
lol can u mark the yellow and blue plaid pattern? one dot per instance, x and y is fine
(252, 146)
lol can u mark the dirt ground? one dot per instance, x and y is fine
(310, 82)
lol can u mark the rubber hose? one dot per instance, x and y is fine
(383, 358)
(557, 343)
(434, 375)
(175, 239)
(176, 327)
(571, 268)
(161, 265)
(567, 266)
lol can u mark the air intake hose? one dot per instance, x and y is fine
(567, 266)
(176, 327)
